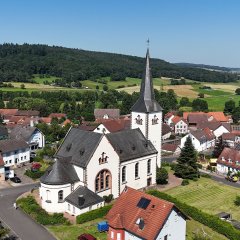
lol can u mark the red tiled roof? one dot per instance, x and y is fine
(57, 115)
(112, 113)
(229, 154)
(46, 119)
(228, 136)
(66, 122)
(27, 113)
(165, 129)
(168, 115)
(125, 213)
(169, 147)
(185, 114)
(203, 134)
(176, 119)
(8, 112)
(219, 116)
(1, 161)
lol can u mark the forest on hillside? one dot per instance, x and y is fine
(20, 62)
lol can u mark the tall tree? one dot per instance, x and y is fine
(199, 105)
(219, 146)
(187, 162)
(229, 107)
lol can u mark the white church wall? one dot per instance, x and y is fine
(80, 173)
(111, 165)
(136, 124)
(49, 197)
(141, 180)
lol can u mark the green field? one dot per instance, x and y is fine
(209, 196)
(40, 80)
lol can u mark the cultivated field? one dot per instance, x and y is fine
(209, 196)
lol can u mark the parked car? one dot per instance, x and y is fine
(86, 236)
(16, 179)
(232, 178)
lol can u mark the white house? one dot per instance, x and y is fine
(201, 139)
(14, 152)
(131, 216)
(229, 160)
(99, 164)
(179, 125)
(32, 135)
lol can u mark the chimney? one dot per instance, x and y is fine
(81, 200)
(31, 123)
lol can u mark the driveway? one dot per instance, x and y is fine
(21, 224)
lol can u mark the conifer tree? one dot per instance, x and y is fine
(219, 146)
(187, 162)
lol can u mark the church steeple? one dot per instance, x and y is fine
(146, 102)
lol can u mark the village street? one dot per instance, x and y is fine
(19, 223)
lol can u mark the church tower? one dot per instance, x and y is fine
(146, 113)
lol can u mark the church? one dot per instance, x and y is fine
(90, 165)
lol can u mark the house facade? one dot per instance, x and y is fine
(180, 125)
(133, 213)
(99, 164)
(229, 160)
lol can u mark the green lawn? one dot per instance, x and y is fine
(39, 80)
(71, 232)
(63, 232)
(209, 196)
(196, 227)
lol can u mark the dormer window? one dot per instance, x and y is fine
(155, 120)
(223, 159)
(237, 162)
(103, 158)
(139, 120)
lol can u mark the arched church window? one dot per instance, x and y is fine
(149, 166)
(124, 174)
(155, 120)
(139, 120)
(60, 196)
(136, 170)
(103, 181)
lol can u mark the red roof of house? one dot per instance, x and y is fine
(1, 161)
(9, 112)
(219, 116)
(165, 129)
(125, 213)
(168, 115)
(230, 154)
(46, 120)
(228, 136)
(57, 115)
(169, 147)
(185, 114)
(67, 121)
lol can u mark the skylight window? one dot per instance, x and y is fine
(143, 203)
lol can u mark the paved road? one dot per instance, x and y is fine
(20, 224)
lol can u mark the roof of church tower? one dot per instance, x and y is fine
(146, 102)
(61, 172)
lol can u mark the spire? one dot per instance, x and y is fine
(146, 101)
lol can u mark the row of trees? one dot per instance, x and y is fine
(74, 65)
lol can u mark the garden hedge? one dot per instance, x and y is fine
(94, 214)
(34, 175)
(211, 221)
(31, 207)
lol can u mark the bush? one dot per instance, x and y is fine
(162, 176)
(34, 175)
(206, 219)
(185, 182)
(206, 176)
(92, 215)
(237, 201)
(31, 207)
(108, 198)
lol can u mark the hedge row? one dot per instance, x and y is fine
(34, 175)
(31, 207)
(94, 214)
(211, 221)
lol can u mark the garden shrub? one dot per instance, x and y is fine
(31, 207)
(34, 175)
(206, 219)
(185, 182)
(206, 175)
(237, 201)
(108, 198)
(94, 214)
(162, 176)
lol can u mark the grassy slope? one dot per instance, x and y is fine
(209, 196)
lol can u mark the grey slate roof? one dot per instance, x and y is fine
(22, 132)
(61, 172)
(79, 145)
(10, 145)
(130, 144)
(146, 102)
(90, 198)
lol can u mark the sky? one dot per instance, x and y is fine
(193, 31)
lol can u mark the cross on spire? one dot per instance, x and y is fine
(148, 42)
